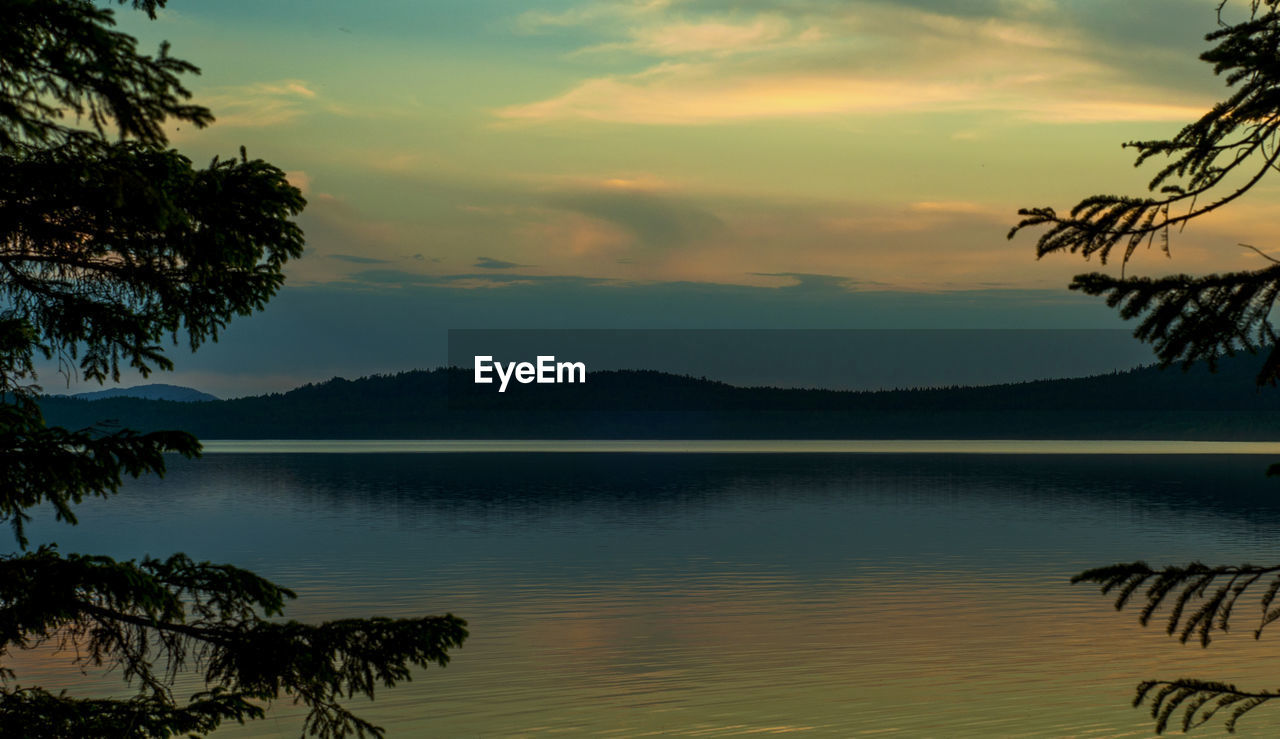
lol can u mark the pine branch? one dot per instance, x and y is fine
(126, 245)
(1238, 136)
(34, 713)
(1189, 319)
(154, 618)
(1199, 701)
(1209, 163)
(40, 464)
(109, 244)
(59, 59)
(1201, 599)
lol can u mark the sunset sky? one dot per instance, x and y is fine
(758, 163)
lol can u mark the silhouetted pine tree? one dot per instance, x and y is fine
(111, 243)
(1208, 164)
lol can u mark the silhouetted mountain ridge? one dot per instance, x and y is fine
(1142, 403)
(153, 391)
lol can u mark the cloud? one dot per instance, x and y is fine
(389, 277)
(861, 58)
(354, 259)
(383, 278)
(487, 263)
(575, 224)
(1091, 111)
(711, 37)
(260, 104)
(299, 179)
(953, 206)
(815, 283)
(537, 21)
(701, 94)
(693, 95)
(343, 233)
(556, 232)
(639, 182)
(653, 220)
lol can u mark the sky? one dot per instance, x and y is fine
(682, 163)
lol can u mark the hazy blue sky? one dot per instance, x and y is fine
(699, 163)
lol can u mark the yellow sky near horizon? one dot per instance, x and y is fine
(885, 145)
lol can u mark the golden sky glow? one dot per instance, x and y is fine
(884, 144)
(647, 154)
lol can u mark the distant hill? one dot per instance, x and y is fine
(154, 391)
(1145, 403)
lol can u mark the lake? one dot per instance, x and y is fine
(727, 591)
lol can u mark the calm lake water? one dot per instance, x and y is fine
(726, 593)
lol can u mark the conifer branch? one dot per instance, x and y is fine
(111, 243)
(1199, 701)
(1209, 163)
(155, 618)
(1200, 601)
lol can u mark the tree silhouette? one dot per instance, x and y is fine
(111, 244)
(1208, 164)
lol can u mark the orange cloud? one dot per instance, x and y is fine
(1101, 111)
(687, 94)
(569, 234)
(681, 94)
(299, 179)
(707, 37)
(864, 60)
(260, 104)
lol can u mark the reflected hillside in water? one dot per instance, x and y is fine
(474, 483)
(809, 508)
(923, 594)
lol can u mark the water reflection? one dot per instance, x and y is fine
(922, 595)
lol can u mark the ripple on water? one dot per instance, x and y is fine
(721, 595)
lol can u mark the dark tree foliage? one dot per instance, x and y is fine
(1208, 164)
(111, 246)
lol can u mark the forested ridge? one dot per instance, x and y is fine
(1144, 403)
